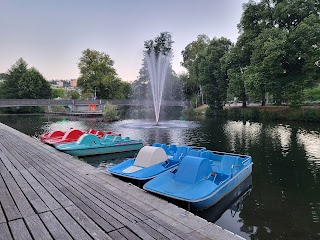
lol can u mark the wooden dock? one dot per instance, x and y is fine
(46, 194)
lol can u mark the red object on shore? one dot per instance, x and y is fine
(59, 137)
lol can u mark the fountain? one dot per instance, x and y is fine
(157, 66)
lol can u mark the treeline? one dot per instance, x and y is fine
(98, 78)
(277, 54)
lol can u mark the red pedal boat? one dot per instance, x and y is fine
(70, 136)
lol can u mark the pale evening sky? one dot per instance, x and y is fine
(50, 35)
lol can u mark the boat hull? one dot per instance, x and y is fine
(224, 190)
(103, 150)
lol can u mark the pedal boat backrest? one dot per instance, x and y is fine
(149, 156)
(117, 139)
(73, 134)
(181, 152)
(193, 169)
(107, 138)
(89, 139)
(228, 163)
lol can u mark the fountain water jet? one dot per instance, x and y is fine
(157, 66)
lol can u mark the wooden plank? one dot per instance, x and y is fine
(19, 230)
(152, 232)
(130, 215)
(139, 231)
(112, 205)
(63, 200)
(36, 202)
(90, 226)
(19, 198)
(163, 227)
(85, 197)
(115, 219)
(6, 162)
(102, 191)
(43, 194)
(37, 229)
(8, 151)
(4, 232)
(2, 217)
(70, 225)
(41, 191)
(55, 228)
(163, 230)
(59, 182)
(9, 207)
(85, 194)
(107, 227)
(98, 210)
(128, 234)
(117, 235)
(129, 212)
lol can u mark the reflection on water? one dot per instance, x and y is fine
(285, 199)
(242, 133)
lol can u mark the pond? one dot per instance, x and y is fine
(281, 200)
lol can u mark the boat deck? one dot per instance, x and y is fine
(46, 194)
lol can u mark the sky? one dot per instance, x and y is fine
(51, 34)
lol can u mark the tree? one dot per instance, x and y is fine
(264, 74)
(161, 44)
(96, 70)
(32, 85)
(234, 64)
(74, 94)
(209, 71)
(191, 54)
(11, 84)
(58, 93)
(141, 88)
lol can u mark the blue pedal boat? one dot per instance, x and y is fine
(203, 180)
(150, 162)
(89, 144)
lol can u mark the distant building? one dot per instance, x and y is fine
(73, 83)
(60, 84)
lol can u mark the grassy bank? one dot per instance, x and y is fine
(308, 114)
(261, 113)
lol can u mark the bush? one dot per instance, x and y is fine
(110, 112)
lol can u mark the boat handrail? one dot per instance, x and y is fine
(230, 154)
(246, 161)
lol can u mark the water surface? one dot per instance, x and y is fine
(280, 201)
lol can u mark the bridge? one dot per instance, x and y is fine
(82, 105)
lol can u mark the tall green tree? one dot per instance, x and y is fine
(210, 73)
(14, 75)
(191, 55)
(264, 74)
(96, 70)
(33, 85)
(161, 44)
